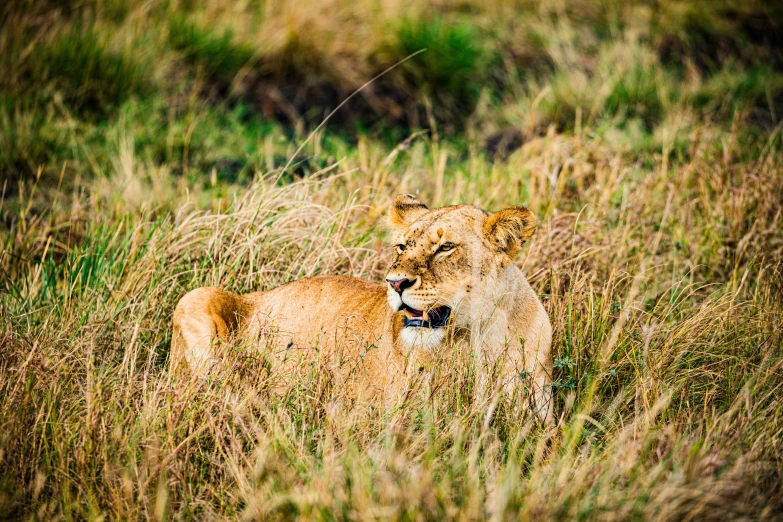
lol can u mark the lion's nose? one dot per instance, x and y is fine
(400, 285)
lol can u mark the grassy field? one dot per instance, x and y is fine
(151, 147)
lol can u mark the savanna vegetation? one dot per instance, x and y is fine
(150, 147)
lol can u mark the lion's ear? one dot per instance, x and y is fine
(508, 229)
(405, 210)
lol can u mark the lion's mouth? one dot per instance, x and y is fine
(433, 318)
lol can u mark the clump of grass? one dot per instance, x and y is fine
(711, 33)
(220, 57)
(91, 78)
(31, 137)
(451, 71)
(636, 94)
(733, 89)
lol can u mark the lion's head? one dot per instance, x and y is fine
(449, 264)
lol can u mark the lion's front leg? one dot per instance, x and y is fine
(541, 400)
(528, 368)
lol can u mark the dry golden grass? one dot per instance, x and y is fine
(663, 288)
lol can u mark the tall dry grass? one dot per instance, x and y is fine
(662, 282)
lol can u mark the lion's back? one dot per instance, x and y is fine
(321, 309)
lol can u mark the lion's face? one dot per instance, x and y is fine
(448, 263)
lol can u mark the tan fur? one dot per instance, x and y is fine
(358, 326)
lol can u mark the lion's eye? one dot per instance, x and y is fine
(446, 247)
(399, 248)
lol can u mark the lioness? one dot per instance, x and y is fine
(452, 278)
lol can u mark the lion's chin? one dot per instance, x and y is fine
(422, 338)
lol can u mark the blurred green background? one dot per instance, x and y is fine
(226, 85)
